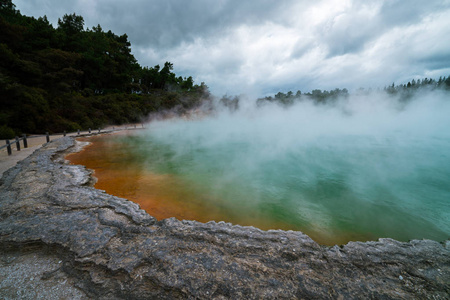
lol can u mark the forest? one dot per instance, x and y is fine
(403, 92)
(69, 78)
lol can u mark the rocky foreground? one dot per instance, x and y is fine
(106, 247)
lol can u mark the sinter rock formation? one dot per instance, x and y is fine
(111, 249)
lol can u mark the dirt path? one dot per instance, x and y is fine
(36, 142)
(9, 161)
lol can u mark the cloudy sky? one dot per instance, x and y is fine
(259, 47)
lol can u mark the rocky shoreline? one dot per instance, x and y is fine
(105, 247)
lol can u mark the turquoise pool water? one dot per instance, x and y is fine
(338, 174)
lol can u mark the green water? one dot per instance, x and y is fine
(361, 177)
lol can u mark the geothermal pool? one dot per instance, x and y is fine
(362, 169)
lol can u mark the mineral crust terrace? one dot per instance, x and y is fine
(111, 249)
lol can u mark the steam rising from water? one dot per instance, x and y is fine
(365, 167)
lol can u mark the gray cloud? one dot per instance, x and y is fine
(260, 47)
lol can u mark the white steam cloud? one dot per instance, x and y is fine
(369, 163)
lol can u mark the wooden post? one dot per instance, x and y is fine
(17, 143)
(47, 137)
(78, 131)
(25, 142)
(64, 133)
(89, 130)
(8, 147)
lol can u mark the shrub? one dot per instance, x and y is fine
(6, 132)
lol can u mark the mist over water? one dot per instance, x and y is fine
(365, 167)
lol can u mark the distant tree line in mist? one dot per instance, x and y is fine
(317, 95)
(69, 78)
(403, 92)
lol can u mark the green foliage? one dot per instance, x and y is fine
(403, 91)
(6, 132)
(413, 85)
(71, 77)
(7, 5)
(232, 103)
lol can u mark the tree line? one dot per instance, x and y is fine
(319, 96)
(403, 92)
(69, 77)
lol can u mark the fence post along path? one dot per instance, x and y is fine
(31, 139)
(25, 142)
(17, 143)
(9, 156)
(8, 147)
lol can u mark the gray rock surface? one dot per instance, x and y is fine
(104, 247)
